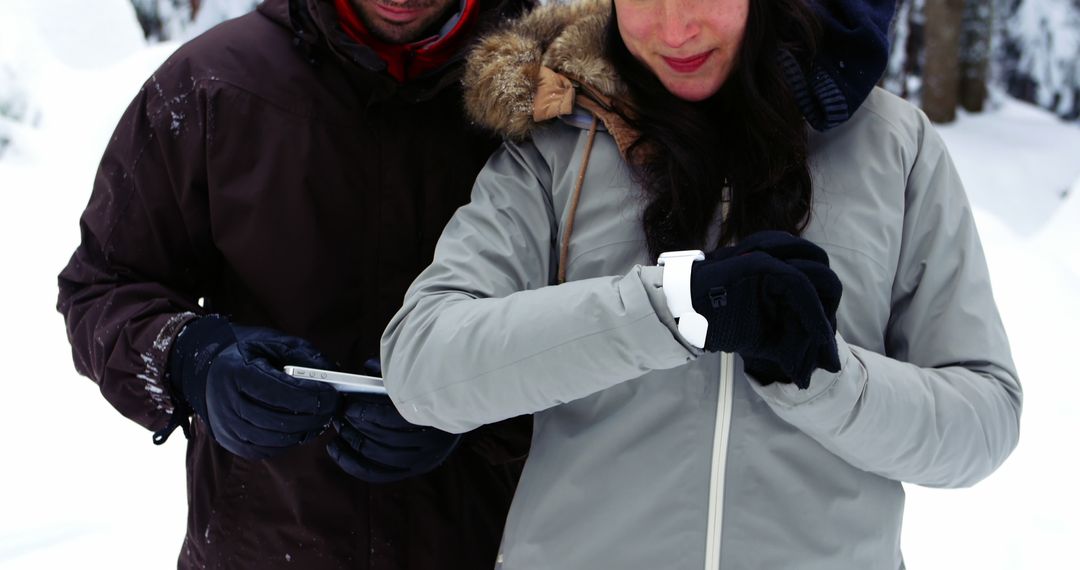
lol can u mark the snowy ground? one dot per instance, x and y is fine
(82, 486)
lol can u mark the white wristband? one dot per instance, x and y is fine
(677, 267)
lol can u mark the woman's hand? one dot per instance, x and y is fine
(772, 299)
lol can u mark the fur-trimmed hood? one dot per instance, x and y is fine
(529, 71)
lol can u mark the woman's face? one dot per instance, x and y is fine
(691, 45)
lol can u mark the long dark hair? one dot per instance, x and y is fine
(749, 137)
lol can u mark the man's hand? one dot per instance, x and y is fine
(377, 445)
(231, 376)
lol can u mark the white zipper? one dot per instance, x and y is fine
(724, 398)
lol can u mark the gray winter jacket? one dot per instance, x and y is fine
(650, 454)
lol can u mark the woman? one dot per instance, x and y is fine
(724, 410)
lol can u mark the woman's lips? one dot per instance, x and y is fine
(687, 64)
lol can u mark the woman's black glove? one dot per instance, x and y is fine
(772, 299)
(377, 445)
(231, 376)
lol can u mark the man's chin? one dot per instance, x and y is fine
(401, 30)
(394, 34)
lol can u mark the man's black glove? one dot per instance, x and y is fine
(377, 445)
(772, 298)
(231, 376)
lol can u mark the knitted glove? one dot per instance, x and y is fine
(772, 299)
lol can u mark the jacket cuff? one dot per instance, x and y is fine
(156, 360)
(829, 390)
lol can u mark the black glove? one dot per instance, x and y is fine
(377, 445)
(231, 376)
(772, 298)
(801, 254)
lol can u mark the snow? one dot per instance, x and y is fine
(82, 483)
(1024, 515)
(1017, 161)
(67, 36)
(79, 483)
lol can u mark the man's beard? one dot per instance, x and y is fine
(402, 34)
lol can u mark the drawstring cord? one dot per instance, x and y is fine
(179, 419)
(574, 199)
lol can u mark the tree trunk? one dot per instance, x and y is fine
(975, 53)
(941, 74)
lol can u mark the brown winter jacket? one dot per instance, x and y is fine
(270, 172)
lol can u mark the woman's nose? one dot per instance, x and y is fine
(678, 22)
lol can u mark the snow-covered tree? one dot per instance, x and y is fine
(183, 19)
(212, 12)
(16, 104)
(12, 104)
(1040, 58)
(975, 53)
(1029, 48)
(164, 19)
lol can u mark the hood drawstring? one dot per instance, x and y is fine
(555, 96)
(564, 252)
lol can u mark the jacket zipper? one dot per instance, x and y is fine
(714, 530)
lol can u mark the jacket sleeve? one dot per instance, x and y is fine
(941, 407)
(482, 336)
(130, 285)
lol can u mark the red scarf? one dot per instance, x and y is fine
(405, 62)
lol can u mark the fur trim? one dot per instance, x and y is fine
(503, 72)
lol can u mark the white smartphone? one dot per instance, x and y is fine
(342, 381)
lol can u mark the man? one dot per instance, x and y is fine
(266, 200)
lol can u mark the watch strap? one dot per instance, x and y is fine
(676, 283)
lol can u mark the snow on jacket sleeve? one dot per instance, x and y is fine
(483, 337)
(942, 407)
(125, 293)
